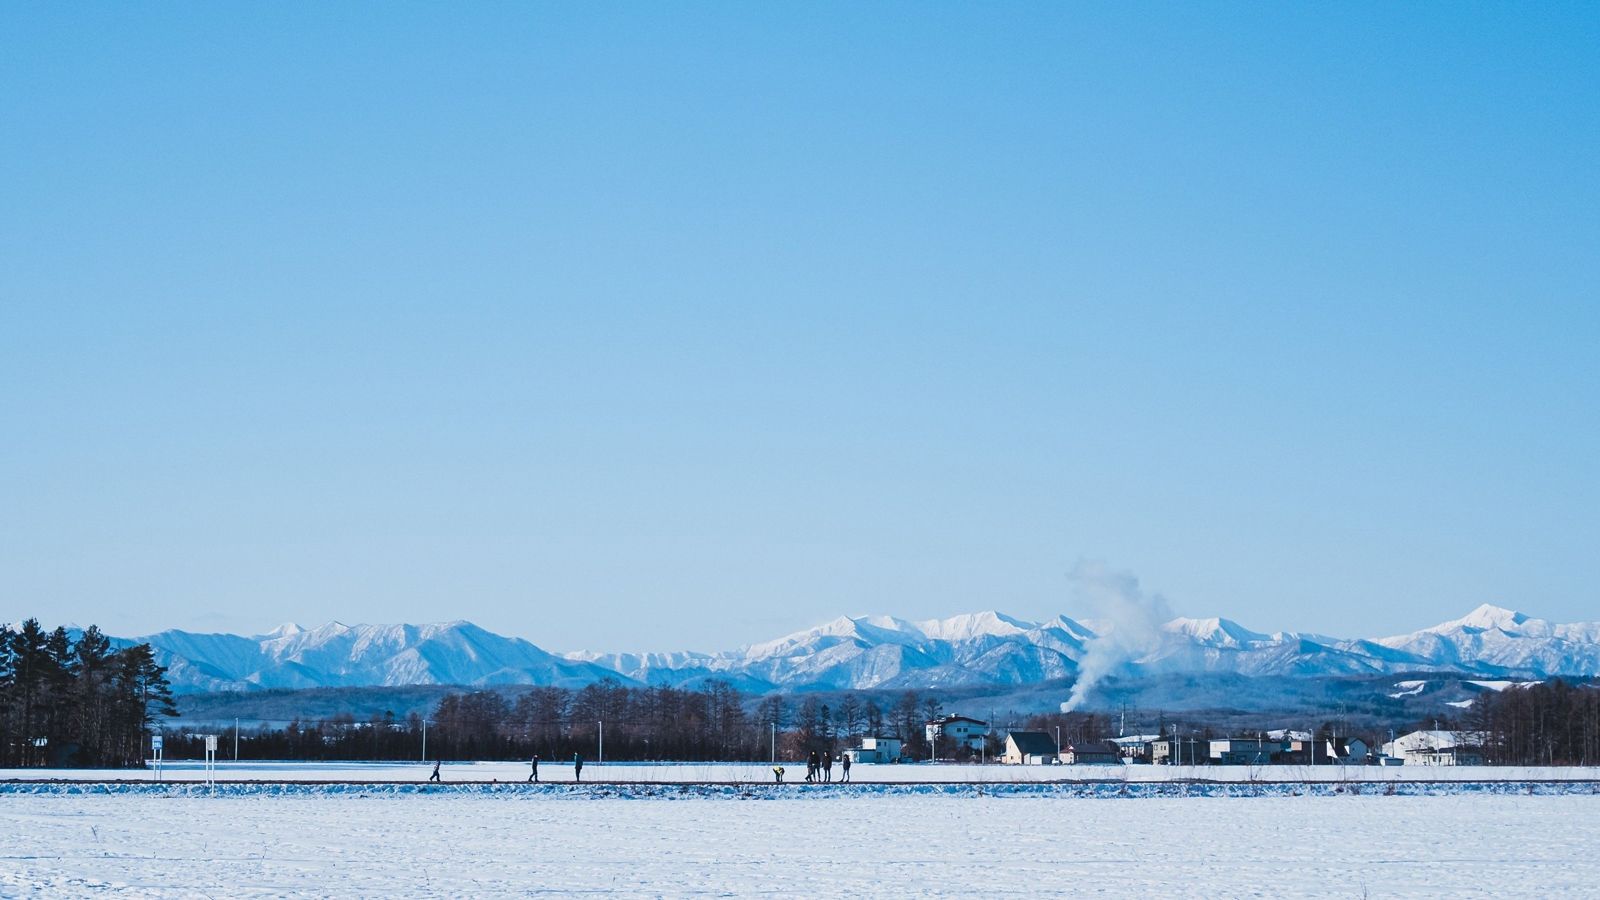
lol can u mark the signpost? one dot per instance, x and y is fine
(155, 753)
(211, 760)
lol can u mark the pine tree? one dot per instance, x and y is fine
(140, 693)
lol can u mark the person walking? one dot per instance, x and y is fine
(435, 775)
(577, 767)
(844, 762)
(534, 775)
(813, 766)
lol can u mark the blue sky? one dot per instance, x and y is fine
(630, 325)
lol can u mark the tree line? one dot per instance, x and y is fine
(1553, 723)
(77, 702)
(712, 721)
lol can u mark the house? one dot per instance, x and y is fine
(1135, 748)
(1254, 751)
(1436, 748)
(1296, 745)
(1188, 751)
(1300, 747)
(1091, 753)
(950, 732)
(1459, 755)
(1030, 748)
(1347, 751)
(875, 750)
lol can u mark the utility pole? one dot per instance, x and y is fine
(774, 743)
(424, 740)
(601, 758)
(235, 738)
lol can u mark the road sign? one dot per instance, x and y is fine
(211, 759)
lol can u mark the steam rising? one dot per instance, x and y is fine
(1130, 627)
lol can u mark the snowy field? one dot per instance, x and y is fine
(187, 841)
(742, 773)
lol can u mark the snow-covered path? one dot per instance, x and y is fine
(454, 844)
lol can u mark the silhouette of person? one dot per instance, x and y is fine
(577, 767)
(827, 766)
(534, 775)
(844, 761)
(435, 775)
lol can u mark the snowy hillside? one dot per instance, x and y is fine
(865, 652)
(339, 655)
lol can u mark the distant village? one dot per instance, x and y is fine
(1554, 723)
(967, 738)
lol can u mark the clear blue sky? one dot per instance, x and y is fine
(658, 325)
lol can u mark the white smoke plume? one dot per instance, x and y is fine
(1130, 624)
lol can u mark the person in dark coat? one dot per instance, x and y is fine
(577, 767)
(534, 775)
(844, 761)
(812, 766)
(827, 766)
(435, 775)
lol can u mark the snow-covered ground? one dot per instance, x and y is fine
(746, 773)
(459, 843)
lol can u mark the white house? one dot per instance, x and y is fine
(1459, 755)
(1030, 748)
(875, 750)
(953, 731)
(1436, 748)
(1347, 752)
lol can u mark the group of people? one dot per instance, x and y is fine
(819, 768)
(533, 776)
(577, 768)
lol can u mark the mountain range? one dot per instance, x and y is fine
(877, 652)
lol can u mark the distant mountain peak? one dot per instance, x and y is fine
(971, 625)
(1489, 616)
(1215, 630)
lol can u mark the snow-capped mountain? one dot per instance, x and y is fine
(1491, 639)
(866, 652)
(339, 655)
